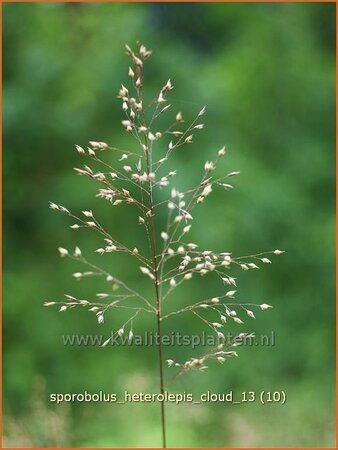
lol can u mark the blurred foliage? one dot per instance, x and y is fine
(266, 72)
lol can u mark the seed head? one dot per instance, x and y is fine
(54, 206)
(221, 152)
(202, 111)
(209, 166)
(120, 332)
(63, 252)
(265, 306)
(49, 303)
(179, 117)
(80, 150)
(238, 320)
(266, 260)
(78, 275)
(100, 318)
(87, 213)
(77, 252)
(230, 294)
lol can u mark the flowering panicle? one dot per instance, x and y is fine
(142, 179)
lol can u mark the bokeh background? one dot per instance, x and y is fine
(266, 72)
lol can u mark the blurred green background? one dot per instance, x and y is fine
(267, 74)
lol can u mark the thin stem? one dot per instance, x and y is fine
(158, 300)
(156, 281)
